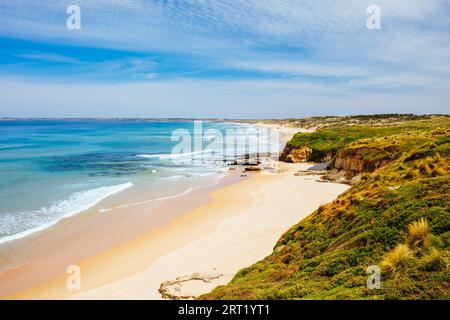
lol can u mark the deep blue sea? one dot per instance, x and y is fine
(52, 169)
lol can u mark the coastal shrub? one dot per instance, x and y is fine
(334, 268)
(445, 239)
(399, 257)
(385, 236)
(358, 256)
(309, 263)
(441, 220)
(242, 273)
(436, 242)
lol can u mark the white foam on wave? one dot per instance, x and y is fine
(169, 155)
(174, 177)
(185, 192)
(48, 216)
(204, 174)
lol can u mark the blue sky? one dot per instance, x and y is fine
(228, 58)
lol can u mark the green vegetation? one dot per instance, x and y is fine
(356, 120)
(397, 216)
(325, 143)
(340, 121)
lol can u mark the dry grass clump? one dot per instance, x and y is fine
(412, 173)
(433, 261)
(418, 233)
(433, 166)
(398, 257)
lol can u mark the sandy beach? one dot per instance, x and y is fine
(203, 248)
(239, 233)
(204, 238)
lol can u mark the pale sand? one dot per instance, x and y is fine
(235, 242)
(285, 132)
(239, 227)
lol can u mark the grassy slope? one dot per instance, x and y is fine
(326, 255)
(331, 140)
(335, 121)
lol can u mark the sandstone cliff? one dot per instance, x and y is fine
(352, 161)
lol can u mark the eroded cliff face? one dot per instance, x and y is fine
(296, 155)
(304, 154)
(348, 164)
(351, 162)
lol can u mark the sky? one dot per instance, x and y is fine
(223, 58)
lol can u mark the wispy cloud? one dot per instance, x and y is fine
(301, 47)
(304, 68)
(50, 57)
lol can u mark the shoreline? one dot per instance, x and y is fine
(47, 253)
(197, 244)
(42, 228)
(178, 227)
(22, 257)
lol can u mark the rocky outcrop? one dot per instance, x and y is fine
(343, 176)
(296, 154)
(304, 154)
(251, 169)
(350, 163)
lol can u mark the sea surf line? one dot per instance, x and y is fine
(84, 203)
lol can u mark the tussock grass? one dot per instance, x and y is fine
(418, 233)
(398, 257)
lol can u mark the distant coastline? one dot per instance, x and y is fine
(236, 120)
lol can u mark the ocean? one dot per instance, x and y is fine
(54, 169)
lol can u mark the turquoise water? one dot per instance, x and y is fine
(53, 169)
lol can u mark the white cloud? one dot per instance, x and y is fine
(297, 38)
(303, 68)
(45, 56)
